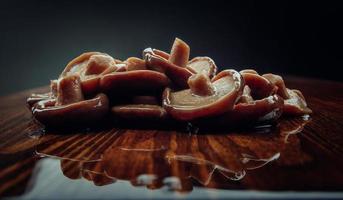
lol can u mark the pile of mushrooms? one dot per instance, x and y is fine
(163, 86)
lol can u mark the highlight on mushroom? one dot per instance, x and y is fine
(163, 86)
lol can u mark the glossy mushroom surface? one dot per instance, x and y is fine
(178, 75)
(179, 54)
(296, 104)
(185, 105)
(260, 86)
(90, 66)
(163, 86)
(134, 82)
(73, 114)
(201, 64)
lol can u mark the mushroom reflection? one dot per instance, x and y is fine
(174, 161)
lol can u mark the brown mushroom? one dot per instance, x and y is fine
(200, 84)
(199, 64)
(179, 54)
(134, 82)
(259, 111)
(72, 114)
(69, 90)
(134, 63)
(185, 105)
(34, 98)
(260, 86)
(246, 96)
(296, 104)
(279, 83)
(178, 75)
(139, 111)
(161, 53)
(89, 66)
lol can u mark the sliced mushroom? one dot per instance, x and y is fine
(134, 82)
(134, 63)
(72, 114)
(200, 64)
(139, 111)
(185, 105)
(279, 83)
(89, 66)
(246, 96)
(296, 104)
(179, 54)
(264, 110)
(260, 86)
(161, 53)
(77, 65)
(177, 74)
(69, 90)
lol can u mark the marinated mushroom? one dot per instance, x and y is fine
(189, 105)
(134, 82)
(85, 111)
(296, 104)
(89, 66)
(163, 86)
(277, 81)
(259, 111)
(260, 86)
(200, 64)
(69, 105)
(246, 96)
(179, 54)
(134, 63)
(178, 75)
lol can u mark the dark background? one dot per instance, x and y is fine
(37, 38)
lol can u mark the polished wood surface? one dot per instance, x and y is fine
(302, 154)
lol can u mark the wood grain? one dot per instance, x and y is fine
(296, 154)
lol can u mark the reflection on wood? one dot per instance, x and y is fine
(173, 159)
(295, 154)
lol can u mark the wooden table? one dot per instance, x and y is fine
(298, 154)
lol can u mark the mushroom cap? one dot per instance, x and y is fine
(139, 111)
(77, 63)
(90, 67)
(134, 63)
(260, 111)
(178, 75)
(184, 105)
(72, 114)
(134, 82)
(200, 64)
(277, 81)
(260, 86)
(296, 104)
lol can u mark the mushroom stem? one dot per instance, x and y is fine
(201, 85)
(69, 90)
(98, 63)
(179, 54)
